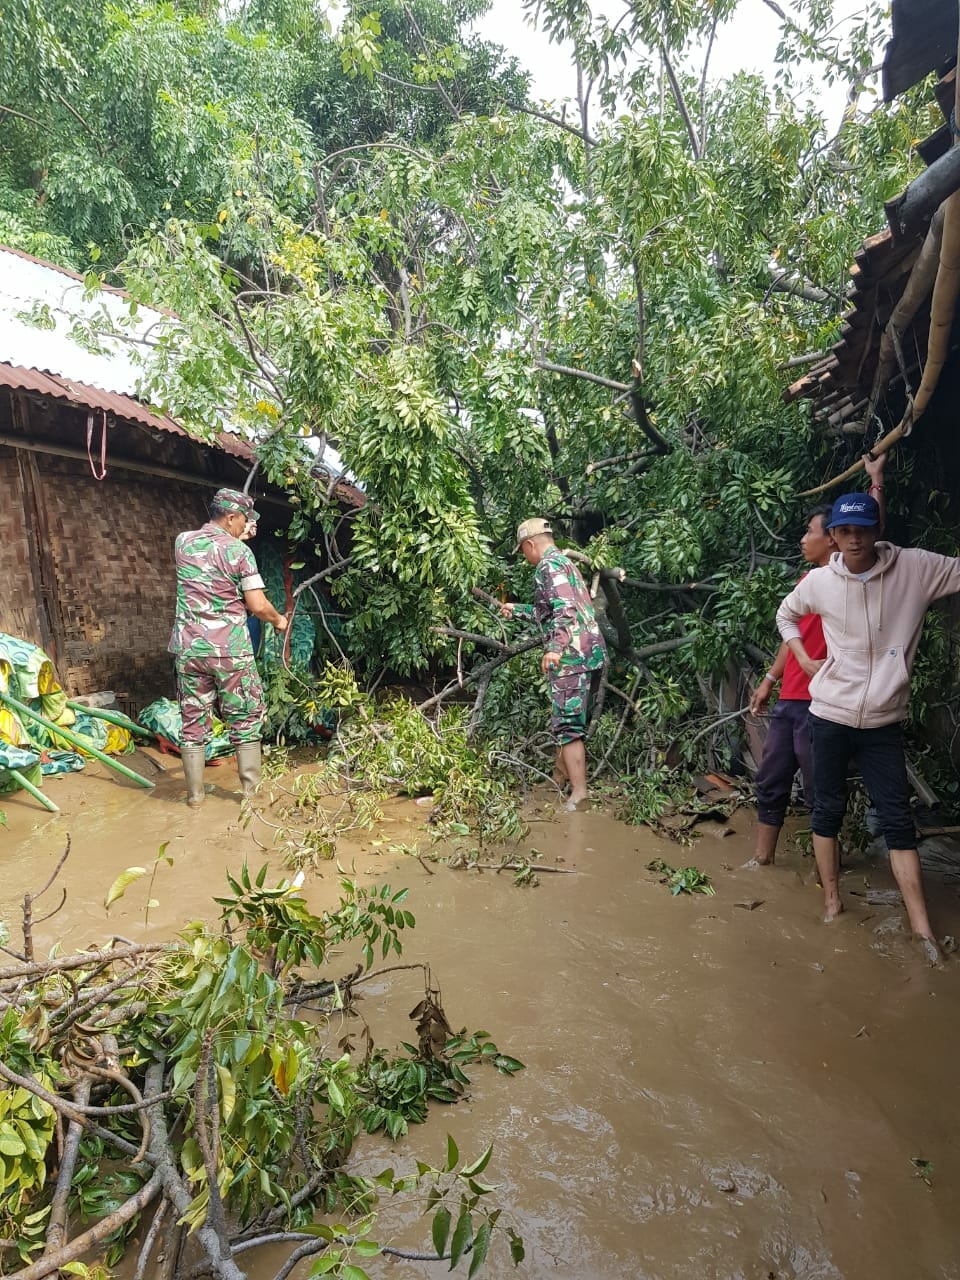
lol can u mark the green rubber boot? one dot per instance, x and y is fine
(249, 765)
(193, 758)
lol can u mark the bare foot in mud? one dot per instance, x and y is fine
(578, 803)
(756, 862)
(929, 949)
(833, 910)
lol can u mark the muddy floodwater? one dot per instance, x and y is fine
(714, 1088)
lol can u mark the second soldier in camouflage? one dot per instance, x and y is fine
(574, 649)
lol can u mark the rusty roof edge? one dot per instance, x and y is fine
(36, 382)
(21, 378)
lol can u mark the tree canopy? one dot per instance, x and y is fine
(372, 236)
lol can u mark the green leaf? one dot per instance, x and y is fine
(517, 1251)
(507, 1064)
(441, 1229)
(350, 1272)
(478, 1166)
(366, 1248)
(228, 1091)
(461, 1237)
(480, 1246)
(453, 1155)
(320, 1230)
(327, 1263)
(122, 883)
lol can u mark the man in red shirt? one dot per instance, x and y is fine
(787, 746)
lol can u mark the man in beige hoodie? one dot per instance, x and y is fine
(871, 597)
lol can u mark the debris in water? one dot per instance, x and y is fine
(924, 1169)
(682, 879)
(751, 904)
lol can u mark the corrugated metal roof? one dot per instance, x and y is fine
(93, 351)
(48, 322)
(125, 407)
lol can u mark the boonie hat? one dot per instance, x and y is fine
(531, 529)
(854, 508)
(235, 501)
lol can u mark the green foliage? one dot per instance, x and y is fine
(682, 879)
(397, 1089)
(645, 794)
(96, 1192)
(214, 1017)
(368, 241)
(293, 713)
(387, 746)
(27, 1127)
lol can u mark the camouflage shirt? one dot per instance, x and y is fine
(564, 610)
(213, 571)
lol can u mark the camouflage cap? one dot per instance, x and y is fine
(532, 529)
(235, 502)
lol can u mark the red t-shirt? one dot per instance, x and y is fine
(796, 685)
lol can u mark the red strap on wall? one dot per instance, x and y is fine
(103, 446)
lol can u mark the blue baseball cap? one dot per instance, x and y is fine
(854, 508)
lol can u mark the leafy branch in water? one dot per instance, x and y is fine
(205, 1064)
(382, 747)
(682, 879)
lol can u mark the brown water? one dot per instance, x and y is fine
(710, 1091)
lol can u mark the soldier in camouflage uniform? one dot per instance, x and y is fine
(217, 583)
(574, 649)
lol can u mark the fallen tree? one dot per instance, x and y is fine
(195, 1081)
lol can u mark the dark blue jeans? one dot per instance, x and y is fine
(786, 749)
(878, 755)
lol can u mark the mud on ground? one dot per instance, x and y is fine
(714, 1087)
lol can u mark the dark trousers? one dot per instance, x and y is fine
(786, 749)
(878, 755)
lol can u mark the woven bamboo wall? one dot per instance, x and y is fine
(112, 550)
(19, 604)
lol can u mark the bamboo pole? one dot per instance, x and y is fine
(37, 794)
(943, 305)
(15, 705)
(112, 717)
(917, 289)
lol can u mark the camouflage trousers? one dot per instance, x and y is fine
(203, 683)
(572, 691)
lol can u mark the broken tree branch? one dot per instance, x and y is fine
(176, 1191)
(57, 1223)
(82, 1244)
(782, 280)
(85, 959)
(808, 357)
(681, 105)
(919, 284)
(943, 307)
(549, 367)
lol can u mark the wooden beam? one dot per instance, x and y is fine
(122, 464)
(909, 212)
